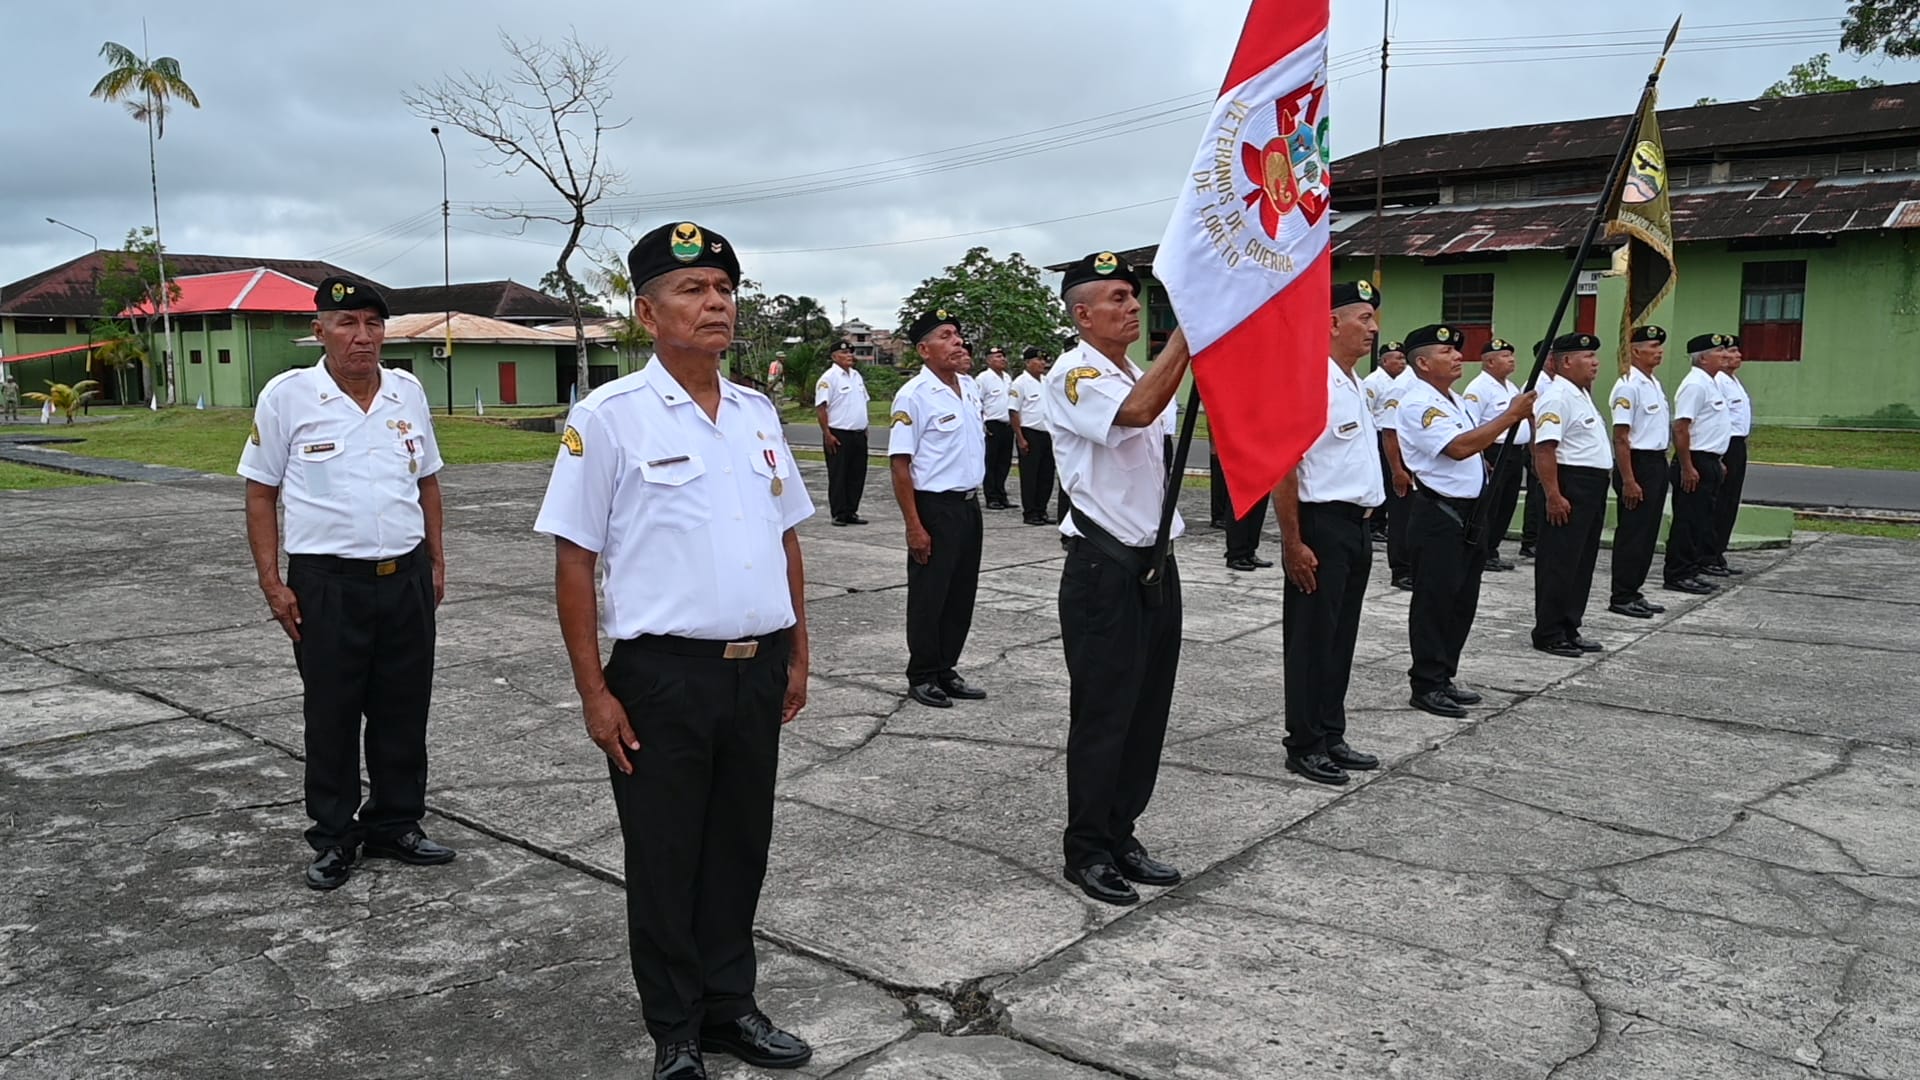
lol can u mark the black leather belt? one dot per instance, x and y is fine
(948, 496)
(334, 564)
(1347, 510)
(1583, 470)
(744, 649)
(1704, 453)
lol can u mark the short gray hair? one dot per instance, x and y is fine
(1414, 354)
(1694, 358)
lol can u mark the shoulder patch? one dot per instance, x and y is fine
(571, 440)
(1471, 397)
(1392, 403)
(1432, 414)
(1622, 403)
(1073, 382)
(901, 417)
(254, 435)
(1550, 418)
(1370, 393)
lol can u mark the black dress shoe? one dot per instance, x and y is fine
(1585, 644)
(998, 504)
(1560, 648)
(1103, 882)
(855, 519)
(330, 868)
(956, 687)
(1635, 610)
(1689, 585)
(1438, 703)
(1527, 551)
(1732, 569)
(1651, 606)
(930, 695)
(840, 521)
(1242, 564)
(1318, 768)
(1460, 695)
(412, 848)
(1143, 868)
(1264, 564)
(1498, 565)
(1403, 581)
(1355, 760)
(1222, 525)
(1716, 571)
(755, 1040)
(678, 1061)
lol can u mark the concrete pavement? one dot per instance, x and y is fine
(1689, 855)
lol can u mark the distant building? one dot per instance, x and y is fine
(500, 362)
(870, 346)
(508, 301)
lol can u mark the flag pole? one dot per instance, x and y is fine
(1155, 572)
(1477, 527)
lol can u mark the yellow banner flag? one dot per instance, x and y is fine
(1641, 213)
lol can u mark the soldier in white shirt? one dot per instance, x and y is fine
(937, 445)
(346, 448)
(1122, 638)
(1442, 449)
(996, 405)
(1641, 433)
(681, 484)
(840, 401)
(1322, 507)
(1733, 481)
(1487, 396)
(1034, 437)
(1702, 429)
(1572, 453)
(1389, 379)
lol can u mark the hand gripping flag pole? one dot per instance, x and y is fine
(1477, 531)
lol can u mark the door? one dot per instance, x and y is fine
(509, 383)
(1583, 315)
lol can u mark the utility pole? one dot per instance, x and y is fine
(446, 263)
(1380, 151)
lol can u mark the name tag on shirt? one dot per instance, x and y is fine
(317, 448)
(1349, 426)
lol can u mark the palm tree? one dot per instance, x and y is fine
(147, 87)
(66, 399)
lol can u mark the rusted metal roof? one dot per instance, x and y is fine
(1775, 209)
(508, 300)
(1848, 117)
(72, 288)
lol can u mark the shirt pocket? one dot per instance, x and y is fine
(318, 467)
(771, 480)
(670, 499)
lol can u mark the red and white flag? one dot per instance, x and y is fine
(1244, 258)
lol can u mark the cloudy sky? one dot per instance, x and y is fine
(849, 148)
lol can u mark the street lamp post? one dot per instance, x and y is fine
(82, 232)
(446, 263)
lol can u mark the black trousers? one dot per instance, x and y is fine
(365, 649)
(999, 459)
(1243, 535)
(1726, 503)
(1320, 627)
(1504, 490)
(1121, 660)
(847, 473)
(1397, 511)
(940, 592)
(696, 816)
(1446, 588)
(1690, 537)
(1036, 473)
(1534, 514)
(1563, 566)
(1636, 530)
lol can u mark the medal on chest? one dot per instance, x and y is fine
(773, 462)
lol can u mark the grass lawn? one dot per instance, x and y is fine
(1899, 450)
(1857, 528)
(27, 478)
(210, 441)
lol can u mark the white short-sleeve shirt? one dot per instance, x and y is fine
(995, 390)
(942, 428)
(844, 393)
(349, 480)
(1566, 415)
(1640, 404)
(1739, 404)
(1343, 464)
(687, 513)
(1488, 397)
(1029, 400)
(1115, 475)
(1703, 401)
(1382, 388)
(1428, 420)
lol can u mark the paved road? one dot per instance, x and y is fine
(1799, 486)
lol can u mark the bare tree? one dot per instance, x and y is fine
(547, 114)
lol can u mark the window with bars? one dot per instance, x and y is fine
(1773, 298)
(1466, 304)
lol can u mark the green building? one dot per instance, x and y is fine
(494, 361)
(1796, 222)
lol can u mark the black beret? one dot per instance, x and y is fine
(681, 245)
(928, 322)
(1735, 342)
(340, 293)
(1355, 292)
(1099, 266)
(1566, 343)
(1433, 334)
(1032, 353)
(1495, 345)
(1648, 333)
(1703, 342)
(843, 345)
(1392, 346)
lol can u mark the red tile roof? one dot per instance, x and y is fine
(258, 289)
(72, 288)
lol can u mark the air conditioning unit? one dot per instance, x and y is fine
(439, 352)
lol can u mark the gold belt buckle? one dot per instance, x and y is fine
(382, 569)
(741, 650)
